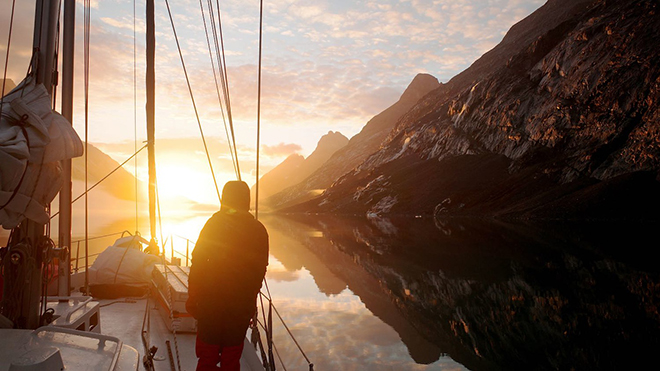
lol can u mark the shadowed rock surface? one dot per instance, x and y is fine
(560, 120)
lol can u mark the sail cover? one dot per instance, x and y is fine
(33, 141)
(122, 269)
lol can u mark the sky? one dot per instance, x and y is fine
(326, 65)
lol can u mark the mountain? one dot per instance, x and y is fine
(295, 168)
(120, 184)
(363, 144)
(278, 177)
(560, 120)
(7, 84)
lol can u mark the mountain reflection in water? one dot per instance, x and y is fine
(489, 296)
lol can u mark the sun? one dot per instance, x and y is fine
(178, 180)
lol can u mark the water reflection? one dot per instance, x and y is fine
(346, 321)
(492, 296)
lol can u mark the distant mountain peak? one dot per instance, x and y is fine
(8, 85)
(331, 141)
(421, 85)
(295, 168)
(363, 144)
(294, 157)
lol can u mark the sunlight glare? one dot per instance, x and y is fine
(180, 180)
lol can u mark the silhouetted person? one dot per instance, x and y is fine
(228, 265)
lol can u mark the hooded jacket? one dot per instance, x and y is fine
(228, 265)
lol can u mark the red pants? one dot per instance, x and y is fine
(209, 355)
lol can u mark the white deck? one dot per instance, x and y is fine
(48, 347)
(124, 320)
(121, 319)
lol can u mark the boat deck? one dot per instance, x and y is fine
(123, 318)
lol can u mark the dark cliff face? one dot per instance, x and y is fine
(358, 148)
(564, 125)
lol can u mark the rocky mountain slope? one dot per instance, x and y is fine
(560, 120)
(120, 184)
(279, 177)
(295, 168)
(7, 84)
(363, 144)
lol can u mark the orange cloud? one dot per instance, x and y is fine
(281, 149)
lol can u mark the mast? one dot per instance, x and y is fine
(64, 271)
(150, 107)
(45, 30)
(32, 233)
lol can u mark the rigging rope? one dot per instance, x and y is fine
(135, 114)
(222, 66)
(199, 123)
(261, 22)
(87, 16)
(104, 178)
(225, 81)
(234, 159)
(4, 76)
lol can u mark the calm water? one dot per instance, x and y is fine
(388, 294)
(343, 316)
(422, 294)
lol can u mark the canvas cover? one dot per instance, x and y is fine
(33, 141)
(123, 263)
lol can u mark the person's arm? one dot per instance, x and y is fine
(195, 277)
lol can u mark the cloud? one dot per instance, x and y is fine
(366, 344)
(282, 276)
(307, 11)
(21, 39)
(125, 23)
(281, 149)
(326, 65)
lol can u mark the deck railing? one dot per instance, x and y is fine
(175, 251)
(75, 266)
